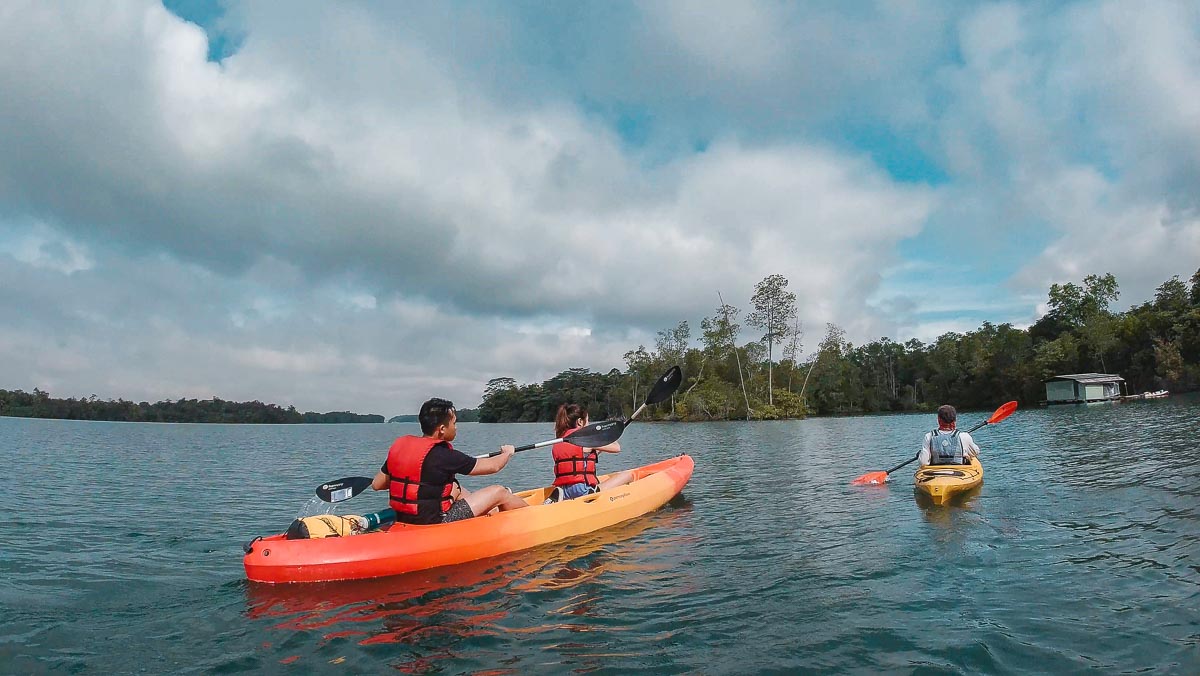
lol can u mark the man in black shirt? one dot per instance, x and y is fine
(420, 473)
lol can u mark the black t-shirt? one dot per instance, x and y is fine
(439, 468)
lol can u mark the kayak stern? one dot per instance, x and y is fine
(940, 483)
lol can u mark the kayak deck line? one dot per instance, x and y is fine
(401, 548)
(942, 482)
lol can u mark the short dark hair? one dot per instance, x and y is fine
(433, 413)
(947, 414)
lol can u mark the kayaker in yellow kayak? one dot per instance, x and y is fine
(575, 467)
(419, 473)
(946, 445)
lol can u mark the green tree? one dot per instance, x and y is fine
(1056, 357)
(774, 312)
(672, 345)
(640, 370)
(1099, 334)
(1172, 296)
(792, 350)
(719, 337)
(1071, 305)
(1169, 360)
(729, 313)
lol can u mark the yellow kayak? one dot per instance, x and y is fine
(941, 482)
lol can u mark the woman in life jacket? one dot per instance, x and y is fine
(946, 445)
(575, 467)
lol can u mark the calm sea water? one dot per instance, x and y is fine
(120, 551)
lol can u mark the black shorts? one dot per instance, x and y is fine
(458, 511)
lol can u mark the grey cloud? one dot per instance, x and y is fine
(482, 201)
(461, 168)
(1071, 116)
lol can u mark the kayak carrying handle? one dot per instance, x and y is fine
(249, 546)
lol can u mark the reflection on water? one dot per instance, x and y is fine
(958, 500)
(1079, 553)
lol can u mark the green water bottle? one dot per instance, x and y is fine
(369, 522)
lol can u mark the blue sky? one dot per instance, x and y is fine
(360, 205)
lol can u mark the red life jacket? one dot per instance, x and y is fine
(405, 460)
(573, 465)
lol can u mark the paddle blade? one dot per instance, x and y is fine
(665, 386)
(597, 434)
(870, 478)
(1003, 412)
(343, 489)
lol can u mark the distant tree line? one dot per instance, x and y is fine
(462, 414)
(1155, 345)
(39, 404)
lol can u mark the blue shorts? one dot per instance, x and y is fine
(578, 491)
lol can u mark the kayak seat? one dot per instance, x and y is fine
(556, 495)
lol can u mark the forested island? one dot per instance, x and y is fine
(39, 404)
(1155, 345)
(463, 415)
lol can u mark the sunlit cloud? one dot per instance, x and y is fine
(353, 206)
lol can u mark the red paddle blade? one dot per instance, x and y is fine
(1002, 412)
(870, 478)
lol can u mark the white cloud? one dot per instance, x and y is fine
(42, 247)
(1076, 121)
(367, 205)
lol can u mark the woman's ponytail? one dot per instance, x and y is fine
(568, 418)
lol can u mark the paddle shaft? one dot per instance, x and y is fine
(518, 449)
(663, 388)
(356, 485)
(635, 413)
(595, 435)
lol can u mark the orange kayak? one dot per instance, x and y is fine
(402, 548)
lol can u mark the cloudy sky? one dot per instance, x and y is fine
(359, 205)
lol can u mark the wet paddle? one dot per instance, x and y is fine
(663, 388)
(597, 434)
(605, 432)
(343, 489)
(882, 477)
(600, 433)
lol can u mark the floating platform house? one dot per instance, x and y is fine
(1083, 388)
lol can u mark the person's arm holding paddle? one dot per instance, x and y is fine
(926, 451)
(419, 473)
(575, 465)
(970, 448)
(446, 465)
(495, 463)
(483, 467)
(614, 447)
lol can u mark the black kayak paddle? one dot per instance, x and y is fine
(596, 434)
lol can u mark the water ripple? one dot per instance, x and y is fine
(1078, 553)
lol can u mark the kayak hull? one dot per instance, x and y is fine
(942, 482)
(402, 548)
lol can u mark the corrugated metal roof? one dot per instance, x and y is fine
(1090, 378)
